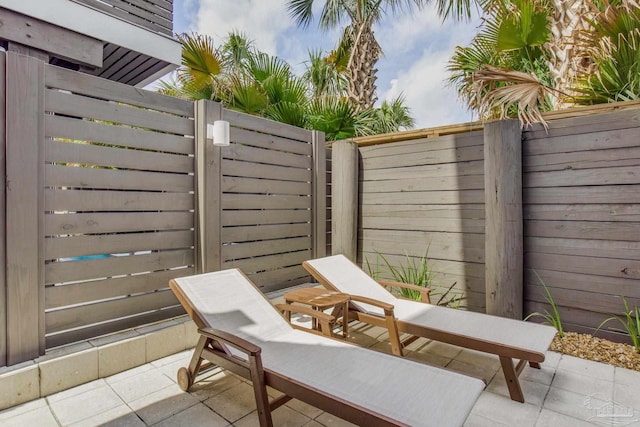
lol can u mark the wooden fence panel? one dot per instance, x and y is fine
(582, 216)
(426, 196)
(119, 197)
(268, 179)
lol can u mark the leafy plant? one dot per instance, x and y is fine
(631, 323)
(416, 271)
(551, 318)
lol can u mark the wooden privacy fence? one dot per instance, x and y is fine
(578, 212)
(111, 191)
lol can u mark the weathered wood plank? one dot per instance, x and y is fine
(579, 140)
(118, 179)
(251, 154)
(270, 142)
(264, 186)
(82, 106)
(593, 212)
(344, 214)
(269, 262)
(113, 179)
(72, 271)
(82, 200)
(567, 178)
(235, 218)
(24, 139)
(74, 335)
(85, 154)
(421, 158)
(281, 278)
(591, 123)
(266, 247)
(86, 84)
(319, 199)
(603, 303)
(446, 142)
(429, 171)
(263, 232)
(607, 194)
(120, 136)
(621, 268)
(425, 198)
(258, 170)
(56, 224)
(581, 282)
(448, 225)
(594, 230)
(583, 247)
(448, 183)
(78, 316)
(592, 159)
(50, 38)
(96, 290)
(453, 250)
(438, 266)
(249, 122)
(461, 212)
(72, 246)
(264, 201)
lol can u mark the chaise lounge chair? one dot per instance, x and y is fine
(243, 332)
(507, 338)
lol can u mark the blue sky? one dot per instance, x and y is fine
(416, 48)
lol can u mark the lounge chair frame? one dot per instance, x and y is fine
(211, 348)
(507, 354)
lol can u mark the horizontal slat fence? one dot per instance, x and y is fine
(582, 217)
(426, 196)
(267, 221)
(118, 205)
(154, 15)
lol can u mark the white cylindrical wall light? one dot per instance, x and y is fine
(219, 132)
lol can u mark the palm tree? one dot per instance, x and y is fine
(364, 49)
(557, 53)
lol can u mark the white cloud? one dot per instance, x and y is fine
(424, 85)
(262, 21)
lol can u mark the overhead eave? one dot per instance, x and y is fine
(101, 26)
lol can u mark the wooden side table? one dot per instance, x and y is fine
(321, 299)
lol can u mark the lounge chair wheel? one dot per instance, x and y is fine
(184, 379)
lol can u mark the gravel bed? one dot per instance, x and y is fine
(598, 349)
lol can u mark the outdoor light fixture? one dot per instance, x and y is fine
(219, 132)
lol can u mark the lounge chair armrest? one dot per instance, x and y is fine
(320, 315)
(388, 308)
(424, 292)
(233, 340)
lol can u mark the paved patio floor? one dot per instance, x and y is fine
(567, 391)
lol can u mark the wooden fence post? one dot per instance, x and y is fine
(319, 195)
(24, 208)
(208, 190)
(3, 267)
(503, 223)
(344, 199)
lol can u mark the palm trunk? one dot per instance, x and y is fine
(566, 61)
(365, 52)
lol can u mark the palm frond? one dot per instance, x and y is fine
(497, 90)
